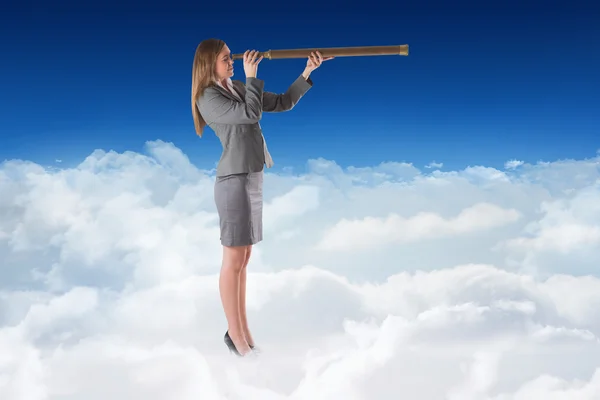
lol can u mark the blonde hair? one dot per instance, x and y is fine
(203, 75)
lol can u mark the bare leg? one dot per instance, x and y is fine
(229, 286)
(243, 317)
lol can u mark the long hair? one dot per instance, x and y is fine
(203, 75)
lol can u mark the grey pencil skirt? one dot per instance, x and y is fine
(239, 200)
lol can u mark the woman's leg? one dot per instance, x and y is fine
(243, 317)
(234, 259)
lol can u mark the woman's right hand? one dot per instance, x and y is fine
(251, 63)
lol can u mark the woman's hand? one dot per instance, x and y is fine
(314, 61)
(251, 63)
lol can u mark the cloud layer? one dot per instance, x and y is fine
(379, 282)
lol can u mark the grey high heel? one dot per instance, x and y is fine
(231, 345)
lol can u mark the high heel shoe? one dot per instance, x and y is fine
(231, 345)
(229, 342)
(254, 349)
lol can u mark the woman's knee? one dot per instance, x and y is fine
(235, 257)
(248, 253)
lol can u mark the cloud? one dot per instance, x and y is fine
(372, 282)
(512, 164)
(434, 164)
(370, 233)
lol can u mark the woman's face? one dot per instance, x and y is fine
(224, 65)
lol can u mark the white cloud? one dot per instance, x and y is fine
(434, 164)
(371, 233)
(579, 213)
(512, 164)
(372, 282)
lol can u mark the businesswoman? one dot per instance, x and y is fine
(233, 110)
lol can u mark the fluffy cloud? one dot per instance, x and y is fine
(369, 232)
(373, 282)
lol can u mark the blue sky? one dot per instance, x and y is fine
(479, 87)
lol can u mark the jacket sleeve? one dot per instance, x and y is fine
(217, 108)
(273, 102)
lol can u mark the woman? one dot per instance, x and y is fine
(233, 111)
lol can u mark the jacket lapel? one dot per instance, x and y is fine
(225, 92)
(239, 89)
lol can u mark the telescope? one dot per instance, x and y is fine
(397, 50)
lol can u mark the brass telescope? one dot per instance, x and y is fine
(398, 50)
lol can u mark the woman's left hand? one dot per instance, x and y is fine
(314, 61)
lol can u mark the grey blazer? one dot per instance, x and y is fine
(236, 123)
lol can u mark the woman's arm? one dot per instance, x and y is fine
(273, 102)
(284, 102)
(215, 107)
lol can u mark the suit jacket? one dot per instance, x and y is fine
(236, 123)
